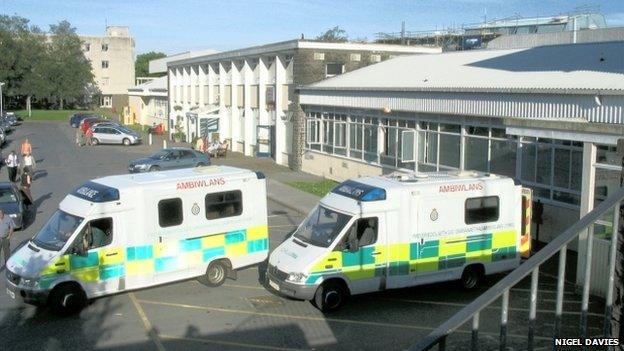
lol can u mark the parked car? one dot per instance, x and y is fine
(17, 117)
(76, 118)
(14, 203)
(13, 120)
(171, 158)
(6, 125)
(89, 122)
(2, 137)
(114, 134)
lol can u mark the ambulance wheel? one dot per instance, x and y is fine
(330, 296)
(471, 277)
(67, 299)
(216, 273)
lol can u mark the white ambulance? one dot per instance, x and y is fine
(387, 232)
(133, 231)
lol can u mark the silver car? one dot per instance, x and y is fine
(114, 134)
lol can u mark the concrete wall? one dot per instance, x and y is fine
(567, 37)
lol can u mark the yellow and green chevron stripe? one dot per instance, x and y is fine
(162, 257)
(415, 258)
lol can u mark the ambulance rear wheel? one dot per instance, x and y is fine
(471, 277)
(330, 296)
(67, 299)
(216, 273)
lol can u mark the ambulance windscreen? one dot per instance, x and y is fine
(359, 191)
(96, 192)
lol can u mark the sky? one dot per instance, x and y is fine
(174, 26)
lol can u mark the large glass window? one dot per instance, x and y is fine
(321, 227)
(57, 230)
(481, 210)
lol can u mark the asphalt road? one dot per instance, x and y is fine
(242, 314)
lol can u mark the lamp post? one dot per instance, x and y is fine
(1, 99)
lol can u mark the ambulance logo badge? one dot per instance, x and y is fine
(434, 215)
(195, 209)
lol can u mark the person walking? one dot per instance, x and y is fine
(26, 182)
(6, 232)
(29, 163)
(26, 147)
(79, 137)
(89, 136)
(12, 163)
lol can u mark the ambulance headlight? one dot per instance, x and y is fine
(297, 277)
(30, 282)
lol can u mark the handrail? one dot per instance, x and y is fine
(439, 334)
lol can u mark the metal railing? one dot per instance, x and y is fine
(531, 267)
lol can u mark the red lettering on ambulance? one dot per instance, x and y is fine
(451, 188)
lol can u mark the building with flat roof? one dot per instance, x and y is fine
(248, 95)
(148, 103)
(548, 116)
(112, 64)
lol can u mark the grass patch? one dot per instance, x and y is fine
(137, 127)
(57, 115)
(317, 188)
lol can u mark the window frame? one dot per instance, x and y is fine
(481, 198)
(238, 199)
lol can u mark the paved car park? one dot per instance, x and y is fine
(242, 314)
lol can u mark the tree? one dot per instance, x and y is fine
(67, 70)
(334, 35)
(141, 65)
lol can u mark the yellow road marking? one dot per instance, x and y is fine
(490, 307)
(151, 332)
(323, 319)
(228, 343)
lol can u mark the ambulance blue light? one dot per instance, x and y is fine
(375, 194)
(96, 192)
(359, 191)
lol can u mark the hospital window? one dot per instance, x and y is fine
(170, 212)
(224, 204)
(334, 69)
(481, 210)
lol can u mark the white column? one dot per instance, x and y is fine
(280, 127)
(249, 118)
(588, 181)
(201, 82)
(235, 126)
(225, 131)
(263, 76)
(210, 76)
(170, 112)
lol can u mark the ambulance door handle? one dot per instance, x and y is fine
(332, 259)
(375, 253)
(111, 254)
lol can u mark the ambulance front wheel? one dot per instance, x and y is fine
(330, 296)
(216, 273)
(68, 298)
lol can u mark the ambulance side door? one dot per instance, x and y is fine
(366, 264)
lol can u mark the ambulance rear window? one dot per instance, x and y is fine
(96, 192)
(482, 209)
(359, 191)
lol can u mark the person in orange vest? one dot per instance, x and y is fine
(89, 136)
(26, 148)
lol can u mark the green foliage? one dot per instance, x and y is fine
(58, 115)
(334, 35)
(51, 69)
(317, 188)
(141, 65)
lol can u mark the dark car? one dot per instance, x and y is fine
(76, 118)
(88, 122)
(14, 203)
(169, 159)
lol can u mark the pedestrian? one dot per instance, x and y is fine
(12, 163)
(26, 147)
(6, 232)
(26, 182)
(29, 163)
(199, 144)
(79, 137)
(89, 136)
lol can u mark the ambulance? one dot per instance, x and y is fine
(387, 232)
(133, 231)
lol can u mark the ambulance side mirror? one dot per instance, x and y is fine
(79, 249)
